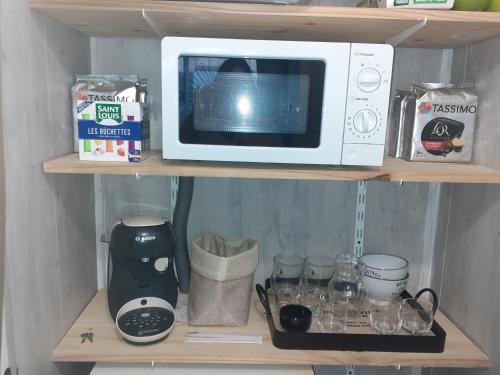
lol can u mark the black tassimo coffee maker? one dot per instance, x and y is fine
(142, 292)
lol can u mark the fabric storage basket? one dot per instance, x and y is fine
(220, 289)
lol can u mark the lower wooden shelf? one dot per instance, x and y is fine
(393, 170)
(109, 347)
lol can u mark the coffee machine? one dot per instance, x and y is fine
(142, 291)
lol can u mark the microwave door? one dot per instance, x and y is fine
(254, 100)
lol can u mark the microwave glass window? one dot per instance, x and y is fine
(250, 102)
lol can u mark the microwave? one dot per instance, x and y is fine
(275, 101)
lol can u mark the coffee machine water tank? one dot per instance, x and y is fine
(142, 262)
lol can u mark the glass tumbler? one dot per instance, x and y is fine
(332, 317)
(418, 316)
(285, 280)
(318, 271)
(385, 316)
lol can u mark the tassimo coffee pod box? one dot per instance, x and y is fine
(415, 4)
(434, 123)
(112, 131)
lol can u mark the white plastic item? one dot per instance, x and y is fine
(197, 369)
(411, 4)
(142, 221)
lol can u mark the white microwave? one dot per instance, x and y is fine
(275, 101)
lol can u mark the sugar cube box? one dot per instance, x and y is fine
(112, 131)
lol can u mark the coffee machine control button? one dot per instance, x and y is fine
(161, 264)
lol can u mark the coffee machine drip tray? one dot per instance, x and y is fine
(145, 320)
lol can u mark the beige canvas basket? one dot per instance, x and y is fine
(220, 289)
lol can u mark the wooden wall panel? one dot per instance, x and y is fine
(67, 54)
(471, 272)
(481, 64)
(133, 56)
(410, 221)
(121, 195)
(117, 196)
(301, 217)
(221, 200)
(284, 216)
(50, 255)
(294, 217)
(128, 195)
(4, 360)
(441, 232)
(421, 65)
(400, 218)
(395, 222)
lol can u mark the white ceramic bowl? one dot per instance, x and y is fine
(385, 267)
(378, 288)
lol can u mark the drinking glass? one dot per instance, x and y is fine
(346, 259)
(418, 316)
(318, 271)
(285, 280)
(385, 316)
(347, 283)
(332, 316)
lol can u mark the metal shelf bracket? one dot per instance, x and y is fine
(174, 186)
(405, 34)
(359, 233)
(154, 25)
(359, 226)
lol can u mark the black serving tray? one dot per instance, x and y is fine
(352, 342)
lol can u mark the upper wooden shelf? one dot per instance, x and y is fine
(109, 347)
(125, 18)
(393, 170)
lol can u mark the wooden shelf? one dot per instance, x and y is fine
(124, 18)
(109, 347)
(393, 170)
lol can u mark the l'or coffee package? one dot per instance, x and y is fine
(433, 122)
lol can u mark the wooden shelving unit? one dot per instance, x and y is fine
(153, 19)
(125, 18)
(109, 347)
(393, 170)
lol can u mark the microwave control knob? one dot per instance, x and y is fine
(369, 80)
(365, 121)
